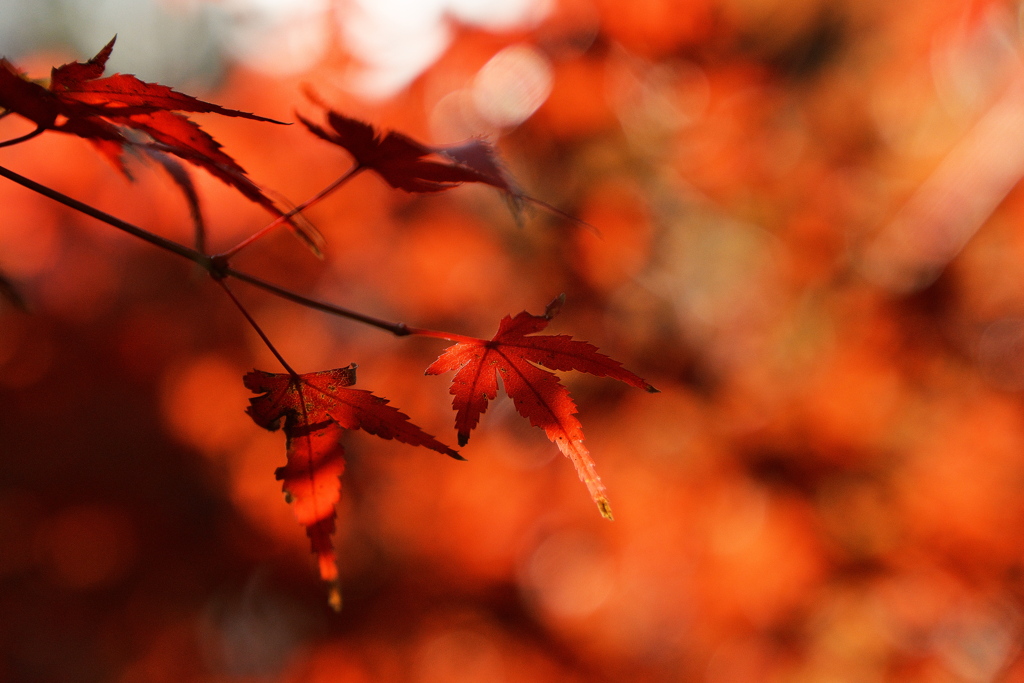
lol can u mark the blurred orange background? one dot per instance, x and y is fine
(808, 215)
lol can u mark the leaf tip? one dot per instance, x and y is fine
(605, 507)
(104, 54)
(463, 438)
(652, 390)
(555, 306)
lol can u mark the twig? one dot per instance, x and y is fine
(259, 330)
(81, 207)
(397, 329)
(216, 265)
(351, 173)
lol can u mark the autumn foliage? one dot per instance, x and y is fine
(316, 407)
(108, 110)
(801, 222)
(514, 357)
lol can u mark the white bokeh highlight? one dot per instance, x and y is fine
(396, 40)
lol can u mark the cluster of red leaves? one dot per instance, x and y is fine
(121, 112)
(316, 407)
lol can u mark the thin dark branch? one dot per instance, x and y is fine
(259, 330)
(397, 329)
(216, 266)
(81, 207)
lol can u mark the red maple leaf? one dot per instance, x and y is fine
(122, 112)
(402, 162)
(535, 391)
(316, 408)
(409, 165)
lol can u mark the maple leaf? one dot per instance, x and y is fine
(120, 112)
(402, 162)
(406, 164)
(316, 407)
(523, 360)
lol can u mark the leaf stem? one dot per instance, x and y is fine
(22, 138)
(450, 336)
(348, 175)
(255, 326)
